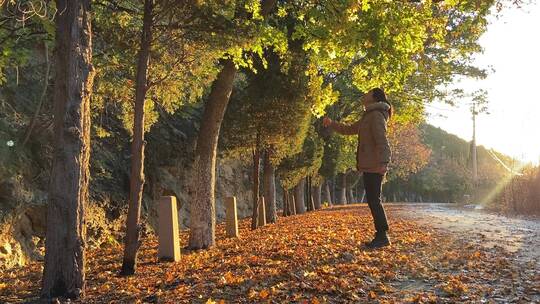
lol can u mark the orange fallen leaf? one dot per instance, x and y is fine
(264, 294)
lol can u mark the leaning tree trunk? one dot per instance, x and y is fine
(350, 196)
(202, 206)
(316, 190)
(269, 181)
(342, 198)
(133, 225)
(255, 190)
(327, 193)
(202, 233)
(64, 269)
(299, 197)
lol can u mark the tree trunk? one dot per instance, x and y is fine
(310, 202)
(42, 96)
(327, 193)
(202, 206)
(255, 190)
(292, 204)
(133, 225)
(350, 185)
(286, 211)
(269, 181)
(64, 269)
(350, 196)
(308, 194)
(299, 197)
(316, 190)
(342, 199)
(335, 191)
(359, 190)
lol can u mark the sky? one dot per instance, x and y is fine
(512, 48)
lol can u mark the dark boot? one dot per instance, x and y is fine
(381, 240)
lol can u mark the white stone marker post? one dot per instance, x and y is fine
(168, 230)
(262, 212)
(231, 218)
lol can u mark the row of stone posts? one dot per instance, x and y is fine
(168, 227)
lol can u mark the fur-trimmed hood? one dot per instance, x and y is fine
(383, 107)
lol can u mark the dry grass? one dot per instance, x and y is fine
(522, 194)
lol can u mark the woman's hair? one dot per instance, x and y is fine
(380, 96)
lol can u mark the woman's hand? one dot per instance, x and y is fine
(326, 122)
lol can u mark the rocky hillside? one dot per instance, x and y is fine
(25, 170)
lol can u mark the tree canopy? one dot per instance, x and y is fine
(282, 64)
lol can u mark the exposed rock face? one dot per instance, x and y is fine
(232, 180)
(24, 185)
(22, 223)
(22, 229)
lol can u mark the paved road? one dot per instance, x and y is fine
(517, 235)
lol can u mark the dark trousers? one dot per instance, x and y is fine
(373, 187)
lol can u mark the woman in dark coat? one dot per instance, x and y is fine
(372, 155)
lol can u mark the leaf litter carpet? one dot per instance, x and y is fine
(316, 257)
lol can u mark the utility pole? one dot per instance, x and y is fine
(478, 106)
(473, 149)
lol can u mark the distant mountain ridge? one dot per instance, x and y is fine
(441, 141)
(448, 175)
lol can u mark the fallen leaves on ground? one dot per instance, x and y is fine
(312, 258)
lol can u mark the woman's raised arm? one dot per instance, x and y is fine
(342, 128)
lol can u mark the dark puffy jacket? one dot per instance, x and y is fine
(373, 150)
